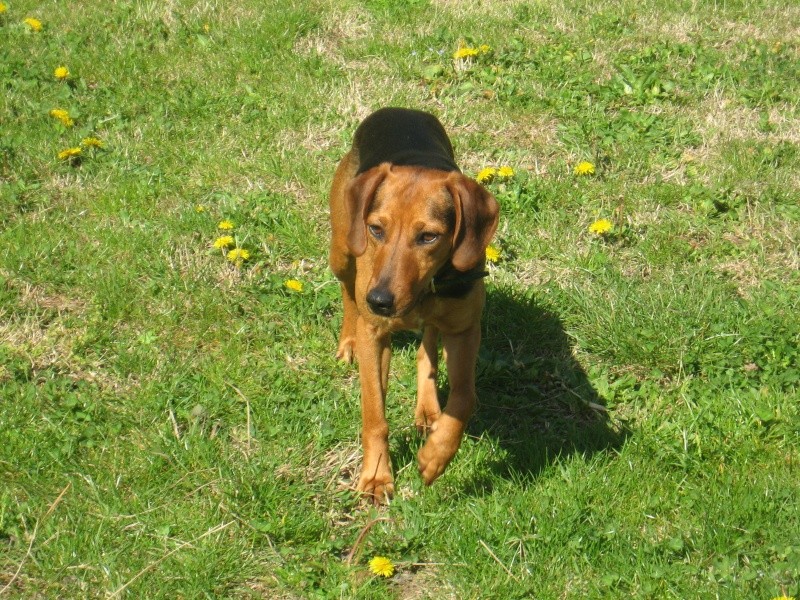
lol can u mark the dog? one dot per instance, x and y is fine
(408, 243)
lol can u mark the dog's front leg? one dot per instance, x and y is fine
(461, 354)
(374, 351)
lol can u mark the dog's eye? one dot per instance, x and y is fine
(376, 231)
(427, 237)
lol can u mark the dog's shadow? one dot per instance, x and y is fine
(535, 400)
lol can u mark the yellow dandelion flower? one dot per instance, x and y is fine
(493, 254)
(294, 285)
(380, 565)
(486, 175)
(505, 172)
(601, 226)
(91, 142)
(3, 8)
(34, 24)
(238, 255)
(465, 52)
(69, 153)
(783, 598)
(63, 116)
(61, 73)
(584, 168)
(225, 225)
(199, 208)
(224, 241)
(484, 48)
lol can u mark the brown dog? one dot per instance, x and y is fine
(409, 237)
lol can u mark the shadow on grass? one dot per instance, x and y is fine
(534, 398)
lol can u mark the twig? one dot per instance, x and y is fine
(175, 429)
(154, 564)
(494, 556)
(361, 537)
(50, 510)
(22, 562)
(592, 405)
(57, 501)
(434, 564)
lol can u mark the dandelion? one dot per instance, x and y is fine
(3, 8)
(224, 241)
(484, 48)
(63, 116)
(601, 227)
(91, 142)
(34, 24)
(486, 175)
(225, 225)
(294, 285)
(69, 153)
(505, 172)
(493, 254)
(61, 73)
(465, 52)
(199, 208)
(783, 597)
(238, 255)
(380, 565)
(584, 168)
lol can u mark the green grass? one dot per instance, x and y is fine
(172, 425)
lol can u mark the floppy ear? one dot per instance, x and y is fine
(477, 214)
(360, 194)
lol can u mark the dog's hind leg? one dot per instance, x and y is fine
(428, 409)
(347, 337)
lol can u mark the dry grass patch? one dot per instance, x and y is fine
(314, 139)
(423, 582)
(338, 466)
(777, 257)
(50, 346)
(526, 142)
(195, 263)
(36, 296)
(349, 25)
(720, 119)
(458, 9)
(535, 273)
(779, 22)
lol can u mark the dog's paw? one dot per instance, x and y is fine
(439, 449)
(378, 489)
(346, 350)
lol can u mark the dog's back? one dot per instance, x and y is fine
(403, 137)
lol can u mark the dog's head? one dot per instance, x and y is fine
(406, 223)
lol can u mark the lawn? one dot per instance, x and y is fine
(173, 423)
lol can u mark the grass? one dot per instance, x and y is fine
(173, 424)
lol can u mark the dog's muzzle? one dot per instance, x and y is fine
(381, 301)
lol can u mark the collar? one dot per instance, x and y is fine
(448, 282)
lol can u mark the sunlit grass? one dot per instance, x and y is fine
(172, 419)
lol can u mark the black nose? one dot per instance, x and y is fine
(381, 301)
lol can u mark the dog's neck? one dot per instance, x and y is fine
(452, 283)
